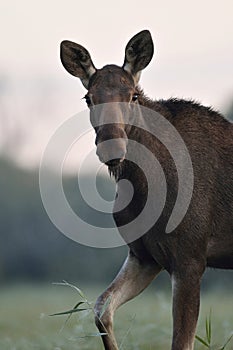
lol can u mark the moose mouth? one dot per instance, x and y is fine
(114, 163)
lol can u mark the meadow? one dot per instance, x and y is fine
(142, 324)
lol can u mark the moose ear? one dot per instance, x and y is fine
(77, 61)
(138, 54)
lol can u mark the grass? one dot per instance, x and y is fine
(207, 340)
(141, 324)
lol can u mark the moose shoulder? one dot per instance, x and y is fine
(205, 235)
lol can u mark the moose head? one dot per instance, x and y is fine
(109, 85)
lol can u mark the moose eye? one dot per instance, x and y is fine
(135, 97)
(87, 99)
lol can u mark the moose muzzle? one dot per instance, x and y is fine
(111, 142)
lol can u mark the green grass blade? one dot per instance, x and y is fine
(70, 311)
(65, 283)
(107, 302)
(69, 316)
(95, 335)
(127, 332)
(207, 330)
(210, 327)
(227, 342)
(78, 304)
(202, 341)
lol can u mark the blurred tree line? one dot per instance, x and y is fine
(32, 249)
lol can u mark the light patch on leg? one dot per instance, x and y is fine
(174, 285)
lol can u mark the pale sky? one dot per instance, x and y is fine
(193, 58)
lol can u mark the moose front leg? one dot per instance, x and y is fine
(186, 301)
(134, 276)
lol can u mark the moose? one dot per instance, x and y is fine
(204, 237)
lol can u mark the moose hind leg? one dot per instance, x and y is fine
(132, 279)
(186, 301)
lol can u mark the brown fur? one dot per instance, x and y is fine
(205, 235)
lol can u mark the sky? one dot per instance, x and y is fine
(193, 59)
